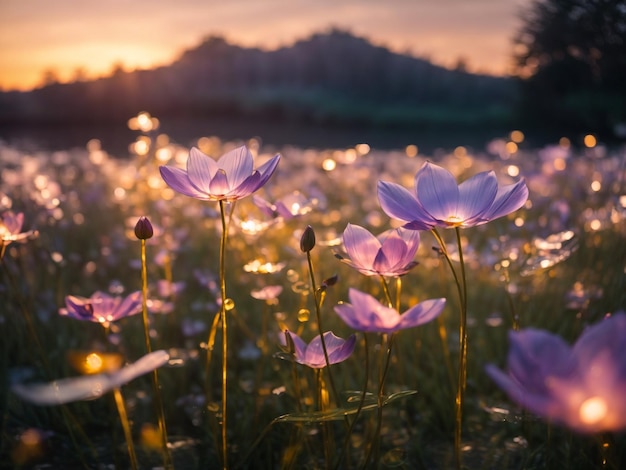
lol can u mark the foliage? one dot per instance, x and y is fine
(85, 205)
(571, 54)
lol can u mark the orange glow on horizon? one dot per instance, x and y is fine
(90, 61)
(39, 36)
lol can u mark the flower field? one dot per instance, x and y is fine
(230, 305)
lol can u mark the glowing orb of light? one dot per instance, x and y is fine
(593, 410)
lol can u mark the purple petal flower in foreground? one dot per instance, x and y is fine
(312, 354)
(366, 314)
(101, 307)
(88, 387)
(230, 178)
(582, 387)
(439, 202)
(391, 254)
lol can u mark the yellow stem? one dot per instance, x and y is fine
(224, 336)
(167, 458)
(121, 409)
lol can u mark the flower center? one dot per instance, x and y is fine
(453, 221)
(593, 410)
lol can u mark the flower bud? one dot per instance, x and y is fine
(143, 229)
(331, 281)
(307, 241)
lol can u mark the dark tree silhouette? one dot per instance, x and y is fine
(572, 57)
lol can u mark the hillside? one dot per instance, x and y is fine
(330, 78)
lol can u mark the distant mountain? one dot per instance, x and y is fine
(331, 77)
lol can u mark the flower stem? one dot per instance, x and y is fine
(375, 445)
(224, 336)
(461, 285)
(460, 392)
(322, 403)
(319, 326)
(121, 409)
(167, 458)
(346, 443)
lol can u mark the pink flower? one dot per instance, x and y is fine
(230, 178)
(582, 387)
(11, 226)
(391, 254)
(312, 354)
(101, 307)
(439, 202)
(367, 314)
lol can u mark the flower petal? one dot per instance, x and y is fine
(339, 349)
(267, 170)
(299, 345)
(421, 313)
(508, 199)
(249, 185)
(609, 334)
(178, 180)
(88, 387)
(314, 356)
(350, 316)
(219, 186)
(238, 165)
(361, 246)
(390, 256)
(527, 358)
(398, 203)
(476, 196)
(535, 402)
(437, 191)
(130, 305)
(200, 169)
(141, 366)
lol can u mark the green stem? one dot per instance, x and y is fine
(346, 443)
(461, 284)
(375, 444)
(158, 401)
(121, 409)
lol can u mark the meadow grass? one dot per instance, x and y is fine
(85, 203)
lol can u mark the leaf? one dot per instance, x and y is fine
(337, 414)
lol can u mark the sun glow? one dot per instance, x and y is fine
(593, 410)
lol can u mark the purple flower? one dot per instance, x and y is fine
(267, 292)
(11, 226)
(391, 254)
(312, 354)
(230, 178)
(366, 314)
(101, 307)
(439, 202)
(582, 387)
(290, 206)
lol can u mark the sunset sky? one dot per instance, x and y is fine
(65, 35)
